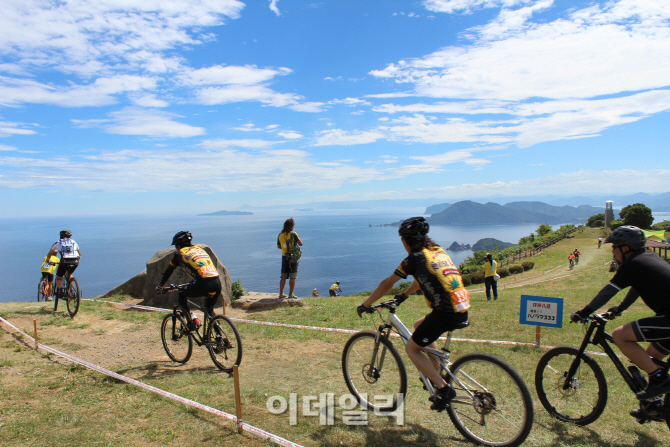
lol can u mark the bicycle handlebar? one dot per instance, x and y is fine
(170, 288)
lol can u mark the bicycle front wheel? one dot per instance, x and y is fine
(584, 398)
(73, 296)
(225, 344)
(379, 382)
(492, 405)
(176, 339)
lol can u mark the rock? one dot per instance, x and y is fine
(265, 301)
(458, 247)
(133, 287)
(154, 272)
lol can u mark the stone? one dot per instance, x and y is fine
(154, 272)
(133, 287)
(265, 301)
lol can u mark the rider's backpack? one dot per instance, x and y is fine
(293, 252)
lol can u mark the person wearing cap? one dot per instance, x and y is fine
(440, 281)
(648, 277)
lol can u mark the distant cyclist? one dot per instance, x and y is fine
(48, 268)
(69, 253)
(197, 264)
(439, 279)
(576, 253)
(600, 241)
(571, 260)
(648, 276)
(335, 289)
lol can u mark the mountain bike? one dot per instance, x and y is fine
(219, 335)
(572, 386)
(71, 293)
(42, 289)
(492, 406)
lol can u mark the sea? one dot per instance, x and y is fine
(346, 246)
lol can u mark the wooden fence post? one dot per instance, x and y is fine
(238, 400)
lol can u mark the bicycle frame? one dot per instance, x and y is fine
(602, 339)
(205, 323)
(440, 357)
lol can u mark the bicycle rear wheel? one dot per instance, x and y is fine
(379, 383)
(73, 296)
(41, 290)
(176, 339)
(226, 344)
(586, 395)
(492, 405)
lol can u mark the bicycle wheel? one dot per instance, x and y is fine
(492, 405)
(226, 348)
(176, 340)
(379, 384)
(41, 290)
(73, 296)
(585, 398)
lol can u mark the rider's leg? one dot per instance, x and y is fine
(627, 342)
(423, 363)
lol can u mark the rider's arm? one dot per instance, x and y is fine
(411, 289)
(168, 271)
(631, 296)
(605, 294)
(381, 289)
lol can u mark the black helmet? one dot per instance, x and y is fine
(413, 228)
(182, 238)
(65, 234)
(628, 235)
(337, 282)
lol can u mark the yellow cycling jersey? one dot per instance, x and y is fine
(51, 266)
(438, 278)
(195, 261)
(335, 286)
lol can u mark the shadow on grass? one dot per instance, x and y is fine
(589, 437)
(164, 369)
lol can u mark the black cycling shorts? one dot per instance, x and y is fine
(48, 276)
(202, 287)
(435, 324)
(66, 266)
(655, 330)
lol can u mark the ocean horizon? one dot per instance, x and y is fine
(349, 247)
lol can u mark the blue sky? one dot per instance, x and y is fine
(121, 106)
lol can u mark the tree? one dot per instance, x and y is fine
(595, 217)
(543, 230)
(638, 215)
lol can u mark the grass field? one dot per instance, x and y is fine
(46, 401)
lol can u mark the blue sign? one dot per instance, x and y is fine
(541, 311)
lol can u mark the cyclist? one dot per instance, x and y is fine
(600, 241)
(576, 253)
(441, 283)
(197, 264)
(571, 260)
(70, 254)
(648, 276)
(335, 288)
(48, 269)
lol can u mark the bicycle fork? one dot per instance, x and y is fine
(374, 369)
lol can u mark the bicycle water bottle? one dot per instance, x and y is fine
(195, 320)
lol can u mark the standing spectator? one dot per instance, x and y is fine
(289, 270)
(490, 267)
(70, 254)
(315, 292)
(335, 288)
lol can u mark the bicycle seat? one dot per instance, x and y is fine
(462, 325)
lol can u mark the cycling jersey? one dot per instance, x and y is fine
(195, 261)
(51, 266)
(335, 287)
(649, 275)
(438, 278)
(68, 249)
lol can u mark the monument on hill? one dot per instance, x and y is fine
(609, 214)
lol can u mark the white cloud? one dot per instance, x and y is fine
(339, 137)
(8, 129)
(221, 143)
(241, 93)
(290, 135)
(274, 8)
(235, 75)
(134, 121)
(149, 101)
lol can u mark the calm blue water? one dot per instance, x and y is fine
(336, 248)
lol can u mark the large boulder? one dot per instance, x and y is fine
(265, 301)
(133, 287)
(157, 265)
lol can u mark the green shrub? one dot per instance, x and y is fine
(238, 290)
(597, 224)
(616, 224)
(401, 287)
(515, 269)
(503, 272)
(665, 225)
(466, 280)
(527, 265)
(477, 278)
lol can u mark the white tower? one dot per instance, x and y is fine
(609, 214)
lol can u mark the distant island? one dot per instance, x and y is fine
(228, 213)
